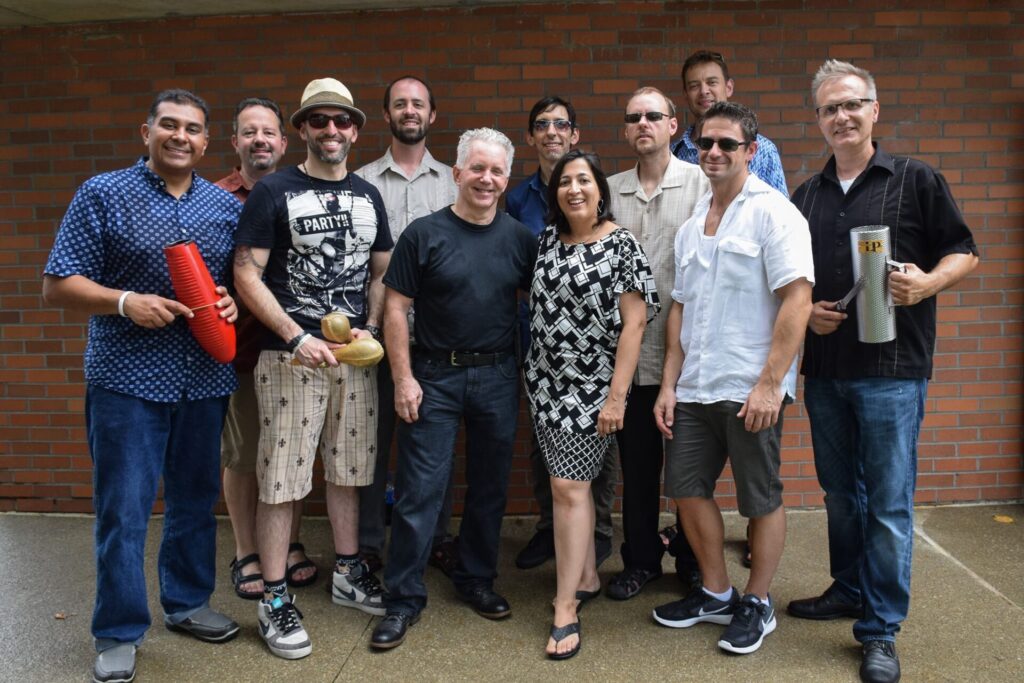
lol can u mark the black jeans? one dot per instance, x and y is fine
(486, 398)
(642, 454)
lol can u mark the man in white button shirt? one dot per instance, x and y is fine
(413, 184)
(740, 306)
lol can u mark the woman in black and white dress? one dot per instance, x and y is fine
(591, 297)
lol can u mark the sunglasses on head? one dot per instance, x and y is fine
(341, 121)
(541, 125)
(724, 144)
(652, 116)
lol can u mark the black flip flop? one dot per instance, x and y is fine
(586, 596)
(560, 633)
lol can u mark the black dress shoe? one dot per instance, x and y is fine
(538, 550)
(880, 663)
(486, 602)
(390, 632)
(828, 605)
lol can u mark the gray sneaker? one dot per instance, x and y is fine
(207, 624)
(280, 624)
(115, 665)
(354, 586)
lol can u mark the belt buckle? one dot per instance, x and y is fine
(455, 363)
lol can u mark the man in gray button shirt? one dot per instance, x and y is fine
(413, 184)
(652, 200)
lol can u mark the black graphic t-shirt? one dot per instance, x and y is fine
(320, 234)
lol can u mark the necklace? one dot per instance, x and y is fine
(312, 188)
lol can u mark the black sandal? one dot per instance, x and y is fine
(560, 633)
(238, 578)
(298, 566)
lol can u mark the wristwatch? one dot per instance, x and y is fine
(374, 331)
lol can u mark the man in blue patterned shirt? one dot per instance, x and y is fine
(155, 400)
(706, 81)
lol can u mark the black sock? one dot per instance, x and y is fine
(341, 560)
(279, 589)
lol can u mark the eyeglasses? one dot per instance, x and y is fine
(341, 121)
(541, 125)
(853, 106)
(652, 116)
(724, 144)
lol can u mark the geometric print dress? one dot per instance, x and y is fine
(575, 324)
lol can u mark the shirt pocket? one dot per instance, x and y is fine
(739, 264)
(687, 277)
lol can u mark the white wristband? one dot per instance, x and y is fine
(120, 303)
(302, 340)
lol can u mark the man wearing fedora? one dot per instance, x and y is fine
(313, 239)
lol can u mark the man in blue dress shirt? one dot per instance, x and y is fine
(155, 400)
(706, 81)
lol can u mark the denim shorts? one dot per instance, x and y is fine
(704, 436)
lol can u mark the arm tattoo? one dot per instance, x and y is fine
(243, 255)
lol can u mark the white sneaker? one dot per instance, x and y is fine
(280, 624)
(356, 587)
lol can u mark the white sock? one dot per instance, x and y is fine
(724, 597)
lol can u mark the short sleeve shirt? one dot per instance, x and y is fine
(113, 234)
(925, 225)
(726, 283)
(654, 221)
(431, 188)
(320, 234)
(463, 279)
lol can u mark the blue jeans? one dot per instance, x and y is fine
(865, 433)
(487, 399)
(132, 443)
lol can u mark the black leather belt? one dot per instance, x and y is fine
(463, 359)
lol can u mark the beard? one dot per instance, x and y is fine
(408, 137)
(259, 163)
(328, 158)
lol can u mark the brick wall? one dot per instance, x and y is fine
(950, 76)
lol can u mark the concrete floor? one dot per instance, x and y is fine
(966, 621)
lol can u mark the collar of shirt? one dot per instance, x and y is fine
(684, 149)
(675, 175)
(427, 165)
(880, 159)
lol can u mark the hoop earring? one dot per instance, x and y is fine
(600, 206)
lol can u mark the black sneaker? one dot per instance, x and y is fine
(538, 550)
(751, 622)
(880, 663)
(696, 607)
(630, 581)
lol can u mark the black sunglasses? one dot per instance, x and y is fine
(724, 144)
(341, 121)
(541, 125)
(652, 116)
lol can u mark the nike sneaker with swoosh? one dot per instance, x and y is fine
(696, 607)
(280, 625)
(353, 585)
(752, 621)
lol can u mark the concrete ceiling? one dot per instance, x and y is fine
(15, 13)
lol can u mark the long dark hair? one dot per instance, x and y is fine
(604, 209)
